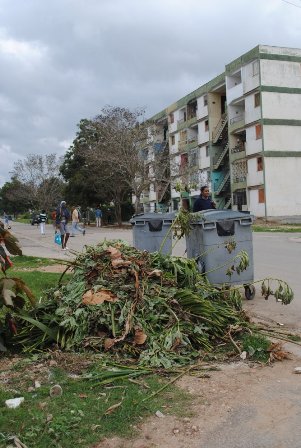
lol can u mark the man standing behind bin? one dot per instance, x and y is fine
(204, 201)
(62, 219)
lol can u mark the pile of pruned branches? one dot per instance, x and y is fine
(152, 309)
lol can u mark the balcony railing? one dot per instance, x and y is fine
(238, 148)
(237, 119)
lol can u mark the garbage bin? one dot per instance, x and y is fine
(151, 229)
(207, 244)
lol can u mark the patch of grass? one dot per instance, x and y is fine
(80, 417)
(37, 281)
(256, 345)
(24, 261)
(277, 228)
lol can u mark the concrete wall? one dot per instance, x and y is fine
(203, 136)
(280, 73)
(204, 161)
(283, 195)
(252, 145)
(281, 105)
(202, 111)
(282, 138)
(254, 177)
(252, 113)
(249, 77)
(256, 208)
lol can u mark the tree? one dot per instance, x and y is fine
(41, 178)
(116, 143)
(14, 197)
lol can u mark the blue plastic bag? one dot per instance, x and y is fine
(57, 238)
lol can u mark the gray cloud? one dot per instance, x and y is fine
(64, 60)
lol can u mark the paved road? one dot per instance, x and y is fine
(275, 255)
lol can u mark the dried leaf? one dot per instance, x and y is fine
(277, 353)
(113, 408)
(155, 273)
(95, 298)
(119, 262)
(140, 337)
(108, 343)
(114, 253)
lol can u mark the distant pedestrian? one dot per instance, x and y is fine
(62, 220)
(98, 216)
(6, 220)
(75, 221)
(53, 217)
(42, 221)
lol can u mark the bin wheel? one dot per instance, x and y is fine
(249, 292)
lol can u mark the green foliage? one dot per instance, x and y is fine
(257, 346)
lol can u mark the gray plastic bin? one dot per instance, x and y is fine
(206, 243)
(150, 230)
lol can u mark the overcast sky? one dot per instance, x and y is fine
(63, 60)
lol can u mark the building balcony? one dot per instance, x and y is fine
(234, 92)
(237, 153)
(182, 124)
(239, 183)
(237, 122)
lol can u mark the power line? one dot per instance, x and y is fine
(290, 3)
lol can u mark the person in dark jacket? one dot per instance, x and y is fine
(204, 202)
(62, 220)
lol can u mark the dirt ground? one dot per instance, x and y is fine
(242, 405)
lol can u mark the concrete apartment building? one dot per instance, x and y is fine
(240, 133)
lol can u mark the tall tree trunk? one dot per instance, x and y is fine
(118, 213)
(137, 204)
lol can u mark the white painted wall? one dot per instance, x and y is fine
(282, 138)
(250, 81)
(174, 148)
(283, 192)
(255, 208)
(204, 161)
(252, 113)
(234, 92)
(254, 177)
(252, 145)
(203, 136)
(280, 73)
(281, 105)
(202, 111)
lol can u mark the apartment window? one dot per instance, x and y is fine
(184, 161)
(261, 196)
(259, 164)
(257, 99)
(255, 68)
(172, 118)
(205, 100)
(207, 151)
(173, 140)
(206, 125)
(258, 131)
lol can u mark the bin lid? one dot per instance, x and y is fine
(221, 215)
(152, 216)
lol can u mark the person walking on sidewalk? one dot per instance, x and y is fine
(98, 216)
(62, 220)
(42, 220)
(75, 222)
